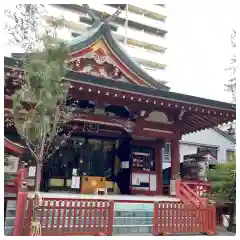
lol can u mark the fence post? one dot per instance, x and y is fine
(155, 219)
(20, 210)
(214, 220)
(211, 210)
(110, 218)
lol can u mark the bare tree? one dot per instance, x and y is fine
(231, 85)
(22, 24)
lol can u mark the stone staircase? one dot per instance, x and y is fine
(138, 222)
(10, 216)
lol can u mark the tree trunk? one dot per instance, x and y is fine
(38, 177)
(232, 219)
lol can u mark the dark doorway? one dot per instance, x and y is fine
(90, 156)
(123, 178)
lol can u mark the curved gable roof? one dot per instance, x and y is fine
(101, 29)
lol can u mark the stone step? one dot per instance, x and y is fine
(137, 213)
(8, 230)
(138, 229)
(117, 221)
(133, 213)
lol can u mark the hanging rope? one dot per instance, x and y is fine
(36, 228)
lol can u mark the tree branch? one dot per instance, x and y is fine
(30, 148)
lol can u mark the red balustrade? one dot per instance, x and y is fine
(192, 192)
(202, 189)
(175, 218)
(72, 217)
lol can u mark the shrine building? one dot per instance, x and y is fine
(122, 120)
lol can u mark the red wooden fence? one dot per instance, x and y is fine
(200, 187)
(69, 217)
(173, 218)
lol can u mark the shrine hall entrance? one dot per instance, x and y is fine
(86, 163)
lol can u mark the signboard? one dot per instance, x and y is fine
(12, 164)
(141, 181)
(75, 182)
(188, 162)
(153, 182)
(32, 171)
(173, 187)
(74, 171)
(91, 127)
(75, 179)
(135, 180)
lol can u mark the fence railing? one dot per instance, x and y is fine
(201, 188)
(69, 217)
(173, 218)
(76, 216)
(187, 195)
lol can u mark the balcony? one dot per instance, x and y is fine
(62, 13)
(142, 37)
(72, 21)
(152, 10)
(131, 16)
(141, 53)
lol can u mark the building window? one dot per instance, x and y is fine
(230, 155)
(167, 152)
(74, 34)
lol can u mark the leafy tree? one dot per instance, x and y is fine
(39, 109)
(223, 182)
(40, 122)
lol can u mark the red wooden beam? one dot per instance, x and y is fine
(13, 146)
(206, 119)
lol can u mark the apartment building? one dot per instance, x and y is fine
(140, 29)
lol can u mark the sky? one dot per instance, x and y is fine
(199, 46)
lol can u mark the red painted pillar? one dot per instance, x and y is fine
(20, 210)
(175, 165)
(22, 175)
(158, 167)
(175, 159)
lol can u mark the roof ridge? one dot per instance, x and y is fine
(224, 134)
